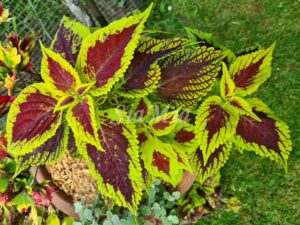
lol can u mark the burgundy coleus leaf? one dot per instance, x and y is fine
(188, 75)
(211, 166)
(249, 71)
(49, 152)
(82, 120)
(268, 137)
(117, 169)
(164, 123)
(142, 109)
(215, 124)
(65, 102)
(68, 39)
(5, 102)
(208, 40)
(106, 54)
(161, 161)
(183, 136)
(143, 74)
(58, 74)
(31, 120)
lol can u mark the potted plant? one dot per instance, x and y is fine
(137, 109)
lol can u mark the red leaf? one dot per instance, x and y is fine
(63, 80)
(245, 76)
(188, 76)
(182, 136)
(67, 41)
(138, 76)
(36, 117)
(48, 152)
(268, 137)
(113, 163)
(161, 162)
(104, 59)
(82, 114)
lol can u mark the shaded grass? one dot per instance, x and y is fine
(269, 195)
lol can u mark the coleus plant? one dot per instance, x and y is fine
(121, 100)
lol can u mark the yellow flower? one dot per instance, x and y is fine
(4, 14)
(10, 56)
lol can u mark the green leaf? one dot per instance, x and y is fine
(67, 221)
(52, 220)
(22, 201)
(4, 181)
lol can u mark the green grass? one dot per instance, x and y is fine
(269, 195)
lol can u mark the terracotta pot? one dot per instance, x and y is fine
(65, 203)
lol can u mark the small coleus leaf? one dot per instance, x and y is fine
(183, 136)
(57, 73)
(161, 161)
(182, 158)
(142, 109)
(242, 107)
(143, 74)
(188, 75)
(31, 120)
(268, 137)
(82, 120)
(49, 152)
(164, 123)
(117, 170)
(216, 160)
(227, 87)
(208, 40)
(65, 102)
(251, 70)
(68, 39)
(84, 88)
(106, 54)
(215, 124)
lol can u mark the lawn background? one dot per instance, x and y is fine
(269, 195)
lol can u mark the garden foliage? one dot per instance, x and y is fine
(138, 108)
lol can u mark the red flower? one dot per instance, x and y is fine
(39, 199)
(49, 191)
